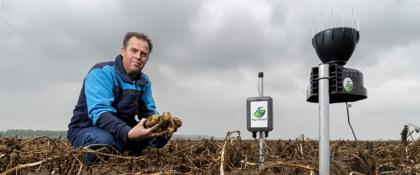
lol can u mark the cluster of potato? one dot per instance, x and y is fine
(167, 124)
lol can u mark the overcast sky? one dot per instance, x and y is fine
(205, 61)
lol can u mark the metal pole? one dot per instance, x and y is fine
(260, 83)
(324, 115)
(261, 151)
(261, 134)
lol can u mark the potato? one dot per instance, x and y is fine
(177, 121)
(166, 116)
(168, 124)
(152, 120)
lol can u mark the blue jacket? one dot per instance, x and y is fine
(110, 100)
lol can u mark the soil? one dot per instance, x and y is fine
(43, 155)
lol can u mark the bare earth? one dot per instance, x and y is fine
(43, 155)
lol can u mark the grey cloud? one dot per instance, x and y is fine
(384, 27)
(205, 74)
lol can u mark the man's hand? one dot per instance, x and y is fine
(138, 132)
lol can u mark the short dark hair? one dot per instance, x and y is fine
(138, 35)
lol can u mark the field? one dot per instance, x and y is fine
(44, 155)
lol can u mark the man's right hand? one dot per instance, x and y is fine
(138, 132)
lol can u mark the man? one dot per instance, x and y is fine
(113, 93)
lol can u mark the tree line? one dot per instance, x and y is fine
(28, 133)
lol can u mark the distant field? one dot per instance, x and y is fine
(44, 155)
(29, 133)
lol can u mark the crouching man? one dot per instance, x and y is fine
(112, 95)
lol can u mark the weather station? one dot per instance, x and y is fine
(260, 118)
(331, 82)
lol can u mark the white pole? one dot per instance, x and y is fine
(261, 134)
(324, 115)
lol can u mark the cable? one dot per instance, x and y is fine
(362, 155)
(348, 120)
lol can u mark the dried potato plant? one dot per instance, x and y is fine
(43, 155)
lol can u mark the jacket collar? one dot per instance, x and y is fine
(119, 68)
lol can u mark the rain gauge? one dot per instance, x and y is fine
(331, 82)
(260, 117)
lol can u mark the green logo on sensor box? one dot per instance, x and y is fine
(259, 112)
(348, 84)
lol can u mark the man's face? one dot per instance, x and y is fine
(135, 56)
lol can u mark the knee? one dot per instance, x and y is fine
(103, 138)
(94, 136)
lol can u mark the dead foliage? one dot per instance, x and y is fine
(43, 155)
